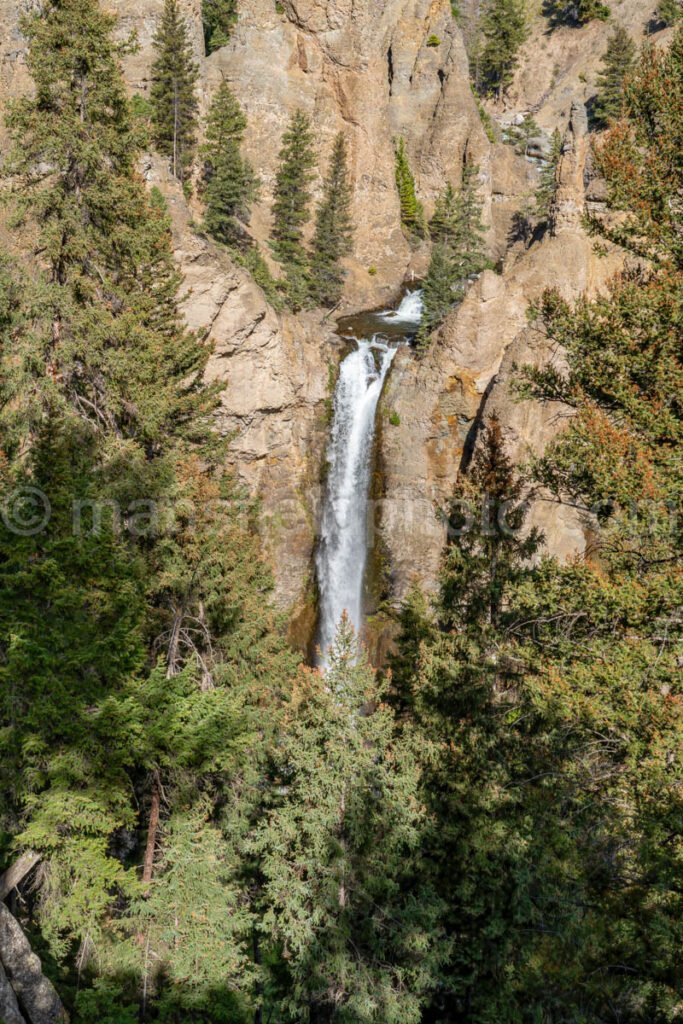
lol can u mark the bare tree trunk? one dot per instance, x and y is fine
(17, 872)
(152, 829)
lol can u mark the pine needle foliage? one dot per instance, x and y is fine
(504, 27)
(617, 64)
(575, 12)
(135, 633)
(173, 92)
(412, 214)
(458, 252)
(355, 928)
(333, 238)
(230, 183)
(547, 185)
(291, 206)
(218, 20)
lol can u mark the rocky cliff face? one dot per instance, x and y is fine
(468, 372)
(365, 69)
(375, 71)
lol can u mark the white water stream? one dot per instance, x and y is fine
(343, 548)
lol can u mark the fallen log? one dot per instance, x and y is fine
(17, 872)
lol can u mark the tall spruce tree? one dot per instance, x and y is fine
(333, 230)
(218, 19)
(353, 931)
(504, 28)
(458, 252)
(173, 92)
(464, 660)
(230, 183)
(291, 205)
(132, 623)
(618, 62)
(412, 214)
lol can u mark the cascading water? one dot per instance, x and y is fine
(343, 548)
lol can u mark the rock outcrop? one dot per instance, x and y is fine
(22, 968)
(275, 371)
(374, 71)
(469, 370)
(367, 69)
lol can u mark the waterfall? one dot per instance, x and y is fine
(343, 545)
(409, 312)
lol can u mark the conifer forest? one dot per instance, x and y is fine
(341, 538)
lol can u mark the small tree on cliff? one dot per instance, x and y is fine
(575, 12)
(547, 180)
(174, 101)
(504, 29)
(291, 207)
(230, 182)
(618, 61)
(412, 214)
(458, 253)
(333, 230)
(218, 18)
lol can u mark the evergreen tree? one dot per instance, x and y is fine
(618, 62)
(173, 92)
(504, 30)
(412, 214)
(458, 252)
(575, 12)
(440, 291)
(465, 704)
(291, 205)
(218, 18)
(547, 185)
(136, 642)
(354, 927)
(333, 230)
(230, 182)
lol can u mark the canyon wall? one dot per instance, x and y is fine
(438, 401)
(375, 71)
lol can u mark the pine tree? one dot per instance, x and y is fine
(353, 931)
(412, 214)
(440, 291)
(291, 204)
(575, 12)
(230, 182)
(333, 230)
(135, 636)
(548, 178)
(465, 706)
(173, 95)
(218, 19)
(458, 251)
(618, 62)
(504, 30)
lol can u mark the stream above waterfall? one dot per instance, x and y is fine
(342, 553)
